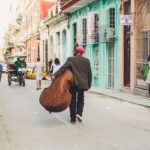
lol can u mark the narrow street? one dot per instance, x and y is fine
(108, 124)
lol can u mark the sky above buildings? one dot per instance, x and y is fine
(5, 16)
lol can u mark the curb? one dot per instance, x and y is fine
(120, 99)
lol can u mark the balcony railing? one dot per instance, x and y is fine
(67, 3)
(70, 6)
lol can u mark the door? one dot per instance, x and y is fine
(96, 65)
(127, 40)
(75, 35)
(111, 49)
(111, 65)
(46, 54)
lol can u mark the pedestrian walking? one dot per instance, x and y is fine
(81, 69)
(49, 65)
(1, 70)
(148, 76)
(55, 66)
(39, 67)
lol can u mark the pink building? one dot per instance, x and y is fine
(35, 11)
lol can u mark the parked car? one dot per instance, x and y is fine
(32, 75)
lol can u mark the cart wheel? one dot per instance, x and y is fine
(9, 80)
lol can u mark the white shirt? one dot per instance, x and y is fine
(39, 67)
(55, 67)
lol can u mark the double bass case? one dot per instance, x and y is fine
(57, 97)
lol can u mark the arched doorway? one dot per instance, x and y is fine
(64, 48)
(51, 47)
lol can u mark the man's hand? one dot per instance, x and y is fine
(52, 77)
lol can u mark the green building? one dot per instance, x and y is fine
(95, 26)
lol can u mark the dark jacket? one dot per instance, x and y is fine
(81, 69)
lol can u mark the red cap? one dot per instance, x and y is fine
(80, 50)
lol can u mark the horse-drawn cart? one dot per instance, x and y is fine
(16, 70)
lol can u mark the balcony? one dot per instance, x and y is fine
(70, 6)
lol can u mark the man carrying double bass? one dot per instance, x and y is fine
(81, 70)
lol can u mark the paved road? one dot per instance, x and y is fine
(108, 124)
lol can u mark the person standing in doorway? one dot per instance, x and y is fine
(1, 70)
(81, 69)
(39, 67)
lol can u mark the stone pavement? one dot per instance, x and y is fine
(131, 98)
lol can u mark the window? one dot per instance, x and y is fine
(112, 17)
(56, 9)
(96, 33)
(148, 7)
(58, 37)
(75, 32)
(145, 45)
(111, 28)
(51, 13)
(84, 30)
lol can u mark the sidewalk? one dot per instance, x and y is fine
(131, 98)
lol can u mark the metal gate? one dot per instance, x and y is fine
(142, 40)
(143, 51)
(111, 65)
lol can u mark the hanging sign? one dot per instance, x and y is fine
(126, 20)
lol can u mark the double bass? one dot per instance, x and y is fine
(57, 97)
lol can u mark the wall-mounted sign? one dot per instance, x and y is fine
(126, 20)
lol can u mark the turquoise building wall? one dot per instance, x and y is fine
(99, 52)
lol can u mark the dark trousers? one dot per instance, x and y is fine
(77, 103)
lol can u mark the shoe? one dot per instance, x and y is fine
(79, 117)
(72, 122)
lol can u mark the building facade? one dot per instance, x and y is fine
(127, 47)
(44, 32)
(134, 45)
(59, 33)
(2, 55)
(142, 24)
(95, 26)
(13, 43)
(31, 22)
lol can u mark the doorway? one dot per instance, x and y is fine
(46, 54)
(64, 48)
(111, 65)
(127, 48)
(75, 35)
